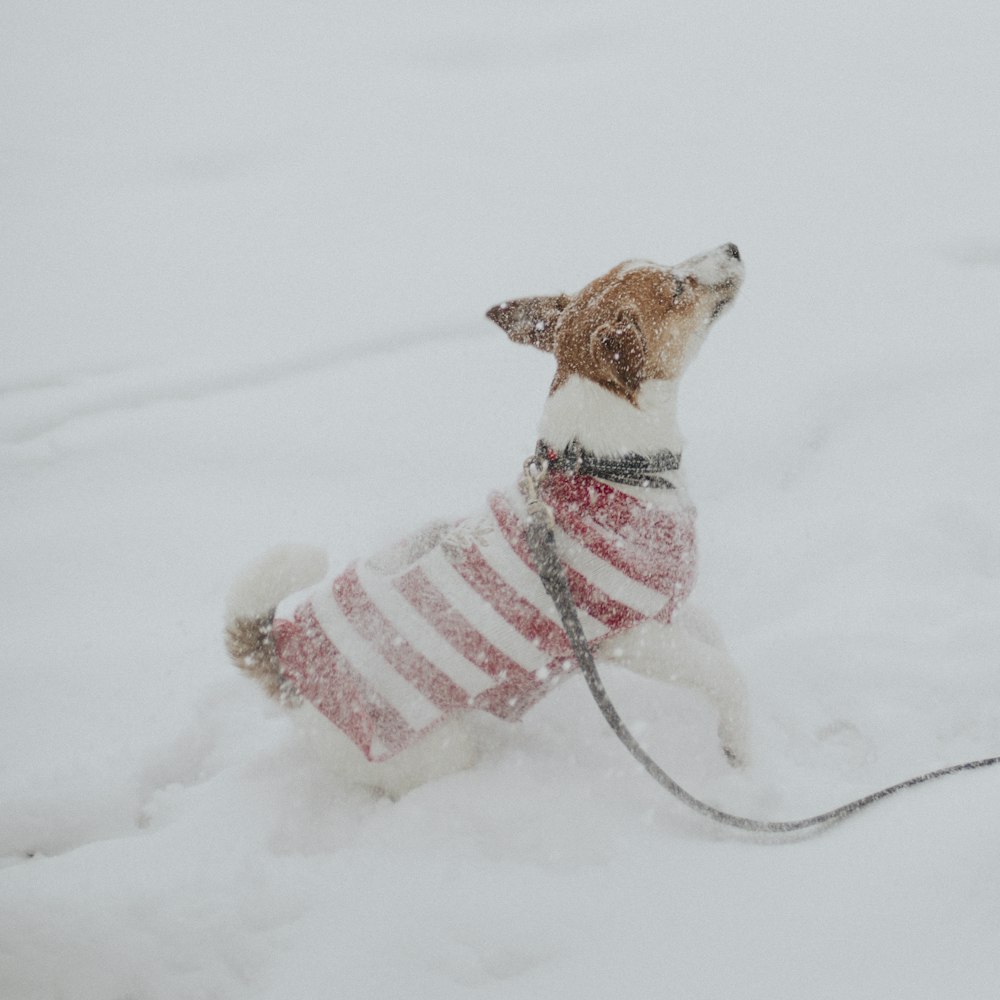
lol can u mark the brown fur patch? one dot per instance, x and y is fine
(661, 308)
(630, 325)
(530, 320)
(250, 642)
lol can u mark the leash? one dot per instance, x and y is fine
(541, 540)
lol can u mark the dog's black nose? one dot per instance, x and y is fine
(733, 250)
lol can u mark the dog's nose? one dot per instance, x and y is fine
(733, 250)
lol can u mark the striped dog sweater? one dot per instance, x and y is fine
(455, 617)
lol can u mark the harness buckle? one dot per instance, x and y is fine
(535, 470)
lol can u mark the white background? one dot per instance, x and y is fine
(245, 249)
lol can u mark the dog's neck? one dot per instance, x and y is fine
(604, 423)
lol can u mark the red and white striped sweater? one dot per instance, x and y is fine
(456, 618)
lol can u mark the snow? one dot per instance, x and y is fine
(244, 254)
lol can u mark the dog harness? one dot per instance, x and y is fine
(455, 617)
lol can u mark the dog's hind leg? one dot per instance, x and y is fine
(452, 746)
(683, 653)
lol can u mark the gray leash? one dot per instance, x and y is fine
(542, 543)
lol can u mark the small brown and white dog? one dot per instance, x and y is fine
(391, 661)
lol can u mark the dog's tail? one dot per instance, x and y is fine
(251, 603)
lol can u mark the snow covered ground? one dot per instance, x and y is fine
(244, 253)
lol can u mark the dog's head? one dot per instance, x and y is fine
(640, 321)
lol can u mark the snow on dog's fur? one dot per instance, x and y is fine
(390, 660)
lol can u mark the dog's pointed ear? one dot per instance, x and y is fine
(619, 351)
(530, 321)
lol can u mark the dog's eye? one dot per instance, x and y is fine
(679, 289)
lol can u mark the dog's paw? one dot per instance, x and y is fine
(735, 758)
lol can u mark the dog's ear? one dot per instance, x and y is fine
(530, 321)
(619, 350)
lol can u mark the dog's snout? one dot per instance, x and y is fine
(733, 250)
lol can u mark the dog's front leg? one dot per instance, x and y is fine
(682, 653)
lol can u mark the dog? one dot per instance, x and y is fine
(391, 661)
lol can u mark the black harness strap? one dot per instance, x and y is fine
(629, 469)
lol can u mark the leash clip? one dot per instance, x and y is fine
(535, 470)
